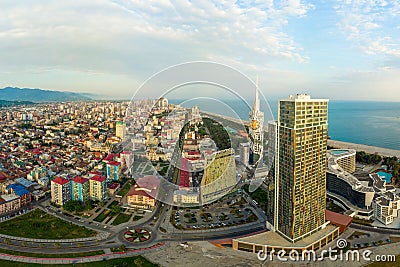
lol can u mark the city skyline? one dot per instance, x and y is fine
(336, 49)
(75, 177)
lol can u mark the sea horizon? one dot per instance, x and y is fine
(373, 123)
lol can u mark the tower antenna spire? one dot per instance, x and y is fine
(256, 105)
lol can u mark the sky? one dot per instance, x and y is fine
(337, 49)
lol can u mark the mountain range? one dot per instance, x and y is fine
(39, 95)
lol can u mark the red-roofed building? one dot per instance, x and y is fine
(79, 179)
(60, 191)
(98, 188)
(143, 193)
(2, 177)
(340, 220)
(60, 180)
(110, 157)
(112, 187)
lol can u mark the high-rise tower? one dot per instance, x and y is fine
(256, 128)
(302, 133)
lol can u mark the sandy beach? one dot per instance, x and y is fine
(369, 149)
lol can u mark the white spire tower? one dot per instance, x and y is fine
(256, 128)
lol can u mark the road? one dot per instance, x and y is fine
(376, 230)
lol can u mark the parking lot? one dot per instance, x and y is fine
(360, 239)
(228, 212)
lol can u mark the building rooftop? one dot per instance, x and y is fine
(334, 168)
(60, 181)
(9, 197)
(303, 97)
(382, 201)
(18, 189)
(377, 181)
(25, 182)
(98, 178)
(110, 157)
(337, 218)
(146, 186)
(137, 192)
(113, 185)
(114, 163)
(79, 179)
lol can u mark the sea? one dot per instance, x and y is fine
(361, 122)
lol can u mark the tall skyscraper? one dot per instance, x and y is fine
(256, 129)
(302, 133)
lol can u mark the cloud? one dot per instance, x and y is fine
(371, 24)
(90, 33)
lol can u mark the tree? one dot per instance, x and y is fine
(88, 205)
(73, 206)
(116, 209)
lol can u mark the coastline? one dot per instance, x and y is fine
(334, 143)
(368, 149)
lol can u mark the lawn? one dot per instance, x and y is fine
(121, 218)
(130, 261)
(102, 216)
(41, 225)
(114, 203)
(125, 189)
(137, 217)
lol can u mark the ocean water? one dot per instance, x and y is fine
(362, 122)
